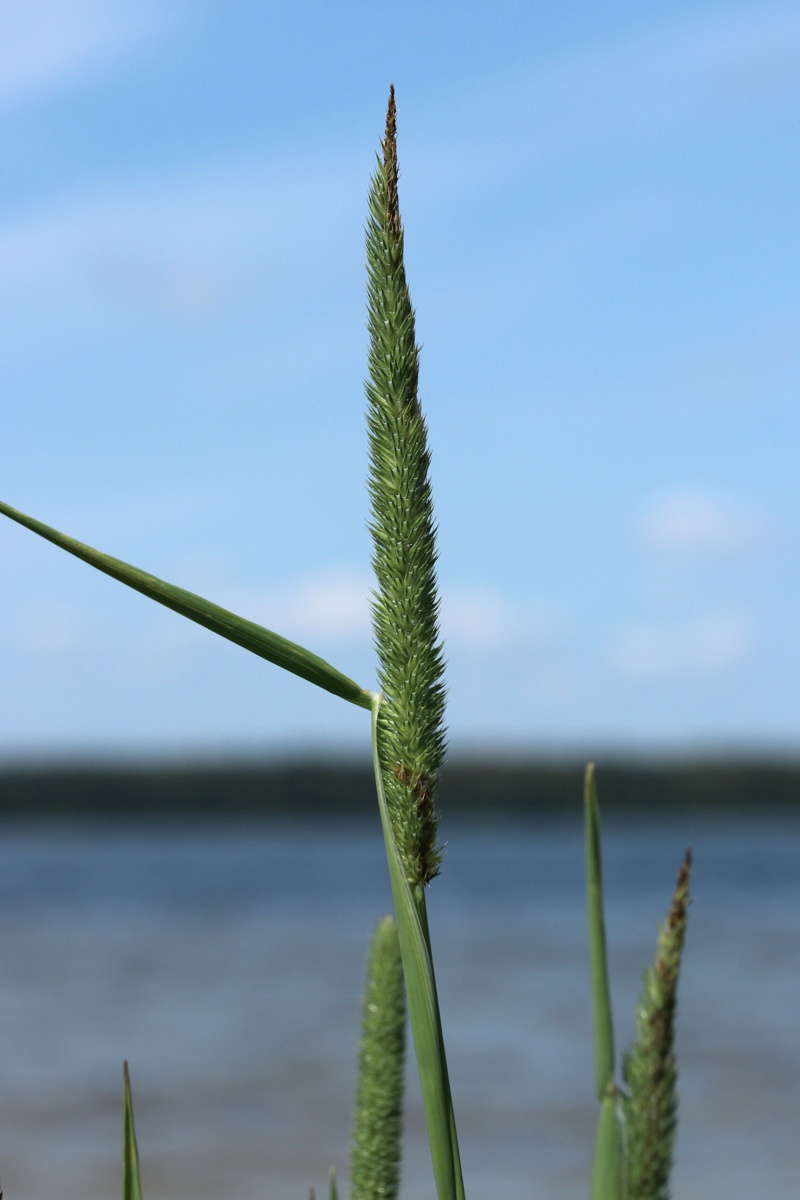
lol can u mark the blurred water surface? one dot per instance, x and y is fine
(226, 965)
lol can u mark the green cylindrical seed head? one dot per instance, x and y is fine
(405, 605)
(649, 1067)
(375, 1168)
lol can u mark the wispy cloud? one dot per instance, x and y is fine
(48, 629)
(614, 95)
(335, 606)
(182, 246)
(481, 620)
(47, 45)
(696, 521)
(332, 605)
(704, 645)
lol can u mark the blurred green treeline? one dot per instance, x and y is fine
(471, 786)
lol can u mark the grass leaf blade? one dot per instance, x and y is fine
(247, 634)
(131, 1184)
(608, 1174)
(601, 996)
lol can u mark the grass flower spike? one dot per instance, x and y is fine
(649, 1068)
(378, 1123)
(411, 735)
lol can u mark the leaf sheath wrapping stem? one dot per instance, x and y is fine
(608, 1167)
(423, 1002)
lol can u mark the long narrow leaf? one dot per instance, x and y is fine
(608, 1178)
(423, 1005)
(601, 998)
(131, 1184)
(244, 633)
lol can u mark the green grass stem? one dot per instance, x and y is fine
(423, 1003)
(607, 1165)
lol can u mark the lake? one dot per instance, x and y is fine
(225, 963)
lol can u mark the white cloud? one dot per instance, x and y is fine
(47, 629)
(336, 606)
(706, 644)
(617, 94)
(46, 45)
(481, 619)
(182, 246)
(333, 605)
(688, 519)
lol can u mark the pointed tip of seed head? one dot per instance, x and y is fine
(390, 166)
(391, 116)
(676, 917)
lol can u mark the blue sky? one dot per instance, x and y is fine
(600, 205)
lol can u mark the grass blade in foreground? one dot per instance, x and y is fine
(649, 1068)
(423, 1004)
(131, 1185)
(607, 1168)
(378, 1124)
(242, 632)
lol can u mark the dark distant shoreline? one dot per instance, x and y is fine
(228, 790)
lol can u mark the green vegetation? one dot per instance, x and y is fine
(131, 1184)
(378, 1122)
(636, 1129)
(331, 788)
(649, 1068)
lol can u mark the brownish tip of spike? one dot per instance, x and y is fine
(390, 166)
(680, 898)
